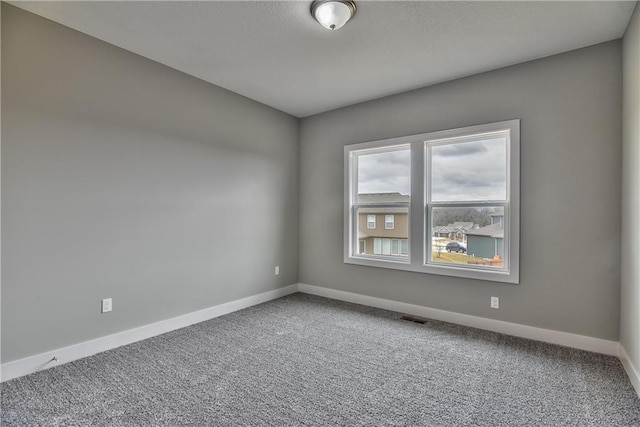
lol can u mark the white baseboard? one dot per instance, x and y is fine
(41, 361)
(631, 370)
(566, 339)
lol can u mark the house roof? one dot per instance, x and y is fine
(493, 230)
(385, 210)
(456, 226)
(374, 198)
(459, 224)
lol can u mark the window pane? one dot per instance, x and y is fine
(468, 171)
(470, 235)
(388, 221)
(382, 240)
(386, 247)
(395, 247)
(384, 173)
(377, 246)
(404, 247)
(371, 221)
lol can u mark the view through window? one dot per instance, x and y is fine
(382, 205)
(444, 202)
(466, 199)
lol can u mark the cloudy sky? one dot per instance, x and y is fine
(385, 172)
(462, 171)
(469, 171)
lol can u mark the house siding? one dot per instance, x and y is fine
(484, 246)
(399, 231)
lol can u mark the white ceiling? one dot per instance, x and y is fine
(275, 53)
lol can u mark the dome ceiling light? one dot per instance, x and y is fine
(333, 14)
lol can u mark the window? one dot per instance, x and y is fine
(385, 246)
(450, 201)
(388, 222)
(380, 186)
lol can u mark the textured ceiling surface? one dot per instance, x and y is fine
(275, 53)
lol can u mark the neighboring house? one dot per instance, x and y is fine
(487, 242)
(497, 218)
(441, 231)
(383, 230)
(454, 231)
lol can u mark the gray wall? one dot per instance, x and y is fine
(123, 178)
(630, 308)
(570, 111)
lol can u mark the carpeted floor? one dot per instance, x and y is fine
(309, 361)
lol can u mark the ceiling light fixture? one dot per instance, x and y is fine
(333, 14)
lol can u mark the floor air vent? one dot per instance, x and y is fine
(413, 319)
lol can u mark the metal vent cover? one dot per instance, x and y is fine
(413, 319)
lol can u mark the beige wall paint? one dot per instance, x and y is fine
(630, 306)
(123, 178)
(570, 111)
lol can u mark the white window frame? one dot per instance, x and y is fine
(387, 222)
(371, 222)
(420, 233)
(351, 190)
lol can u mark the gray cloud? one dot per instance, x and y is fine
(464, 171)
(477, 172)
(385, 172)
(459, 150)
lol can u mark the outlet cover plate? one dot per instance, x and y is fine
(106, 305)
(495, 302)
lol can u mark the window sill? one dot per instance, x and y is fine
(441, 270)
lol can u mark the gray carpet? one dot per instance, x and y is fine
(304, 360)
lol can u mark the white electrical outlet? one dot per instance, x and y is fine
(495, 302)
(106, 305)
(277, 270)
